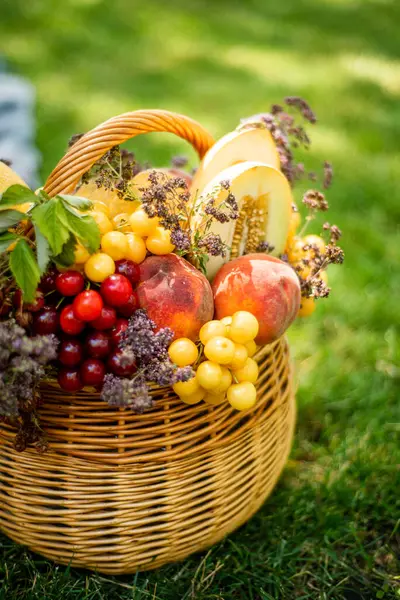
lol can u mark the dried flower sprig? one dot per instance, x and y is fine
(149, 349)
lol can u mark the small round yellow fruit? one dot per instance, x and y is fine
(115, 244)
(227, 321)
(240, 356)
(99, 266)
(307, 307)
(121, 222)
(220, 350)
(100, 207)
(103, 222)
(210, 330)
(226, 381)
(209, 375)
(249, 371)
(214, 399)
(183, 352)
(141, 223)
(194, 398)
(186, 388)
(315, 240)
(242, 396)
(159, 241)
(136, 248)
(244, 327)
(251, 348)
(81, 255)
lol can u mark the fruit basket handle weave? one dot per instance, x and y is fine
(94, 144)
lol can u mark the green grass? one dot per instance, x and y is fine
(331, 529)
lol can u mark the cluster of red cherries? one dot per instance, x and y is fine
(90, 326)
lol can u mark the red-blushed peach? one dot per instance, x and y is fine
(175, 295)
(263, 285)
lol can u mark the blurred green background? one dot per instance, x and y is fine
(331, 528)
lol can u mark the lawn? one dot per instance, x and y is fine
(331, 529)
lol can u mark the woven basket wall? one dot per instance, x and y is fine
(118, 492)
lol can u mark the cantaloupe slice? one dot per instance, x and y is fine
(252, 143)
(8, 177)
(264, 198)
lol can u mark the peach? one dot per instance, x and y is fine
(175, 295)
(262, 285)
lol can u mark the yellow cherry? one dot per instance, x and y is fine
(136, 248)
(141, 223)
(244, 327)
(249, 371)
(226, 381)
(307, 307)
(220, 350)
(315, 240)
(186, 388)
(99, 267)
(121, 222)
(209, 375)
(103, 222)
(194, 398)
(81, 255)
(214, 399)
(240, 356)
(159, 241)
(251, 348)
(183, 352)
(210, 330)
(115, 244)
(242, 396)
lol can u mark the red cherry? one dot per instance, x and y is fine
(114, 364)
(106, 320)
(88, 305)
(70, 353)
(128, 268)
(46, 321)
(129, 308)
(117, 331)
(17, 299)
(48, 281)
(98, 344)
(116, 290)
(92, 372)
(34, 306)
(69, 322)
(70, 283)
(70, 380)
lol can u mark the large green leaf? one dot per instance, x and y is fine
(67, 256)
(42, 250)
(9, 218)
(6, 239)
(17, 194)
(25, 270)
(77, 202)
(49, 218)
(82, 227)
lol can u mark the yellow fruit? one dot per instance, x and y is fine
(226, 381)
(294, 223)
(159, 242)
(210, 330)
(103, 222)
(136, 248)
(295, 250)
(251, 348)
(121, 222)
(183, 352)
(220, 350)
(315, 240)
(249, 371)
(307, 307)
(186, 388)
(194, 398)
(8, 177)
(99, 267)
(214, 399)
(141, 223)
(81, 254)
(227, 320)
(240, 356)
(324, 276)
(242, 396)
(209, 375)
(244, 327)
(115, 244)
(107, 198)
(101, 207)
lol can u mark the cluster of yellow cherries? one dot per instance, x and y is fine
(228, 372)
(296, 255)
(126, 236)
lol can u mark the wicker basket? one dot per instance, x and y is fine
(118, 492)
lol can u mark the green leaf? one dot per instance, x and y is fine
(49, 218)
(15, 195)
(42, 250)
(67, 256)
(9, 218)
(83, 227)
(6, 239)
(25, 270)
(77, 202)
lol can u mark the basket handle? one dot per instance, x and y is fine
(94, 144)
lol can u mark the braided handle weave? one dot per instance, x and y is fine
(94, 144)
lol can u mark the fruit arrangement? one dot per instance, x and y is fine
(157, 277)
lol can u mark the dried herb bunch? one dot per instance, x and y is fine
(149, 350)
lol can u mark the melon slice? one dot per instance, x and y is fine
(265, 200)
(252, 143)
(8, 177)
